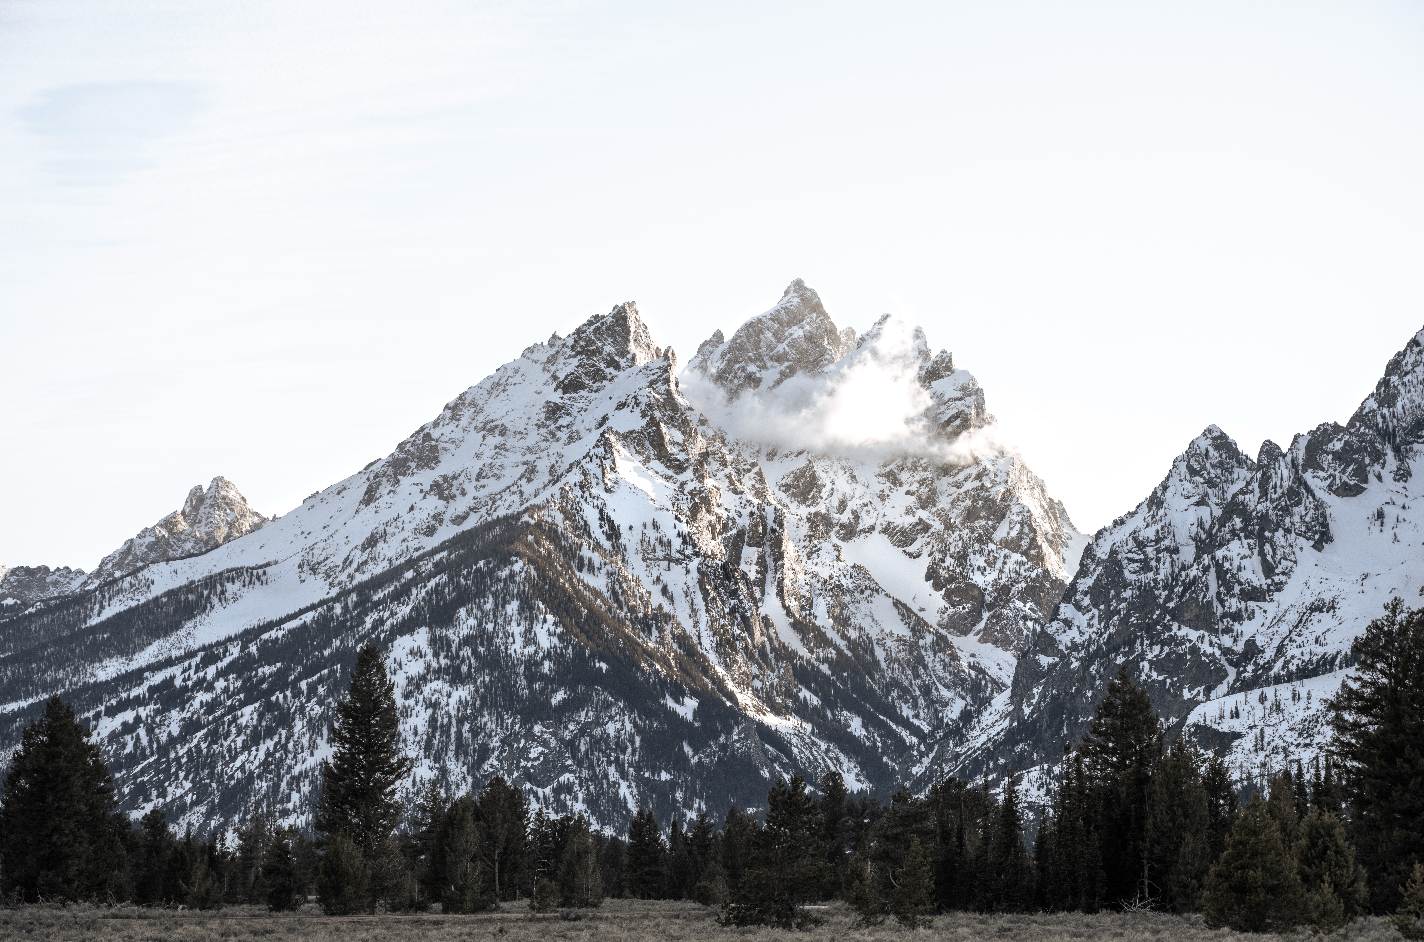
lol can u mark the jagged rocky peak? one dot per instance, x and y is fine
(796, 336)
(208, 519)
(600, 347)
(22, 586)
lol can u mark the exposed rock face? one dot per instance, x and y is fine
(1233, 591)
(589, 584)
(208, 519)
(22, 586)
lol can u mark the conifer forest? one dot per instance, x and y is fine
(1135, 822)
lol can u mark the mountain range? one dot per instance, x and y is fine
(617, 580)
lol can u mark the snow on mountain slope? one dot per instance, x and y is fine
(1233, 591)
(593, 586)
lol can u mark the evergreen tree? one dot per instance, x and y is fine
(785, 871)
(646, 855)
(1281, 807)
(1254, 887)
(359, 784)
(279, 872)
(1009, 877)
(1221, 806)
(1178, 824)
(831, 813)
(1378, 719)
(155, 883)
(421, 847)
(612, 858)
(580, 883)
(862, 893)
(914, 889)
(701, 849)
(1409, 917)
(252, 840)
(1120, 750)
(467, 886)
(343, 882)
(679, 863)
(61, 834)
(504, 835)
(1331, 878)
(738, 829)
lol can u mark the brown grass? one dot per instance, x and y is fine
(617, 921)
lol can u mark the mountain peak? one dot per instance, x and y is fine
(208, 518)
(796, 336)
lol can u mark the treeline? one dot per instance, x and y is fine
(1134, 821)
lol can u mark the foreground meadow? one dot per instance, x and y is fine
(616, 921)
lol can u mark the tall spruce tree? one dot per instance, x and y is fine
(1009, 876)
(360, 783)
(1178, 829)
(1254, 886)
(1378, 720)
(1121, 749)
(580, 881)
(279, 872)
(61, 834)
(504, 833)
(1221, 807)
(646, 856)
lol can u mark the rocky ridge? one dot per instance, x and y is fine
(1232, 592)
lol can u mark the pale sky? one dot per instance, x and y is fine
(268, 240)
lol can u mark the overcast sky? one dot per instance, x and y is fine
(268, 240)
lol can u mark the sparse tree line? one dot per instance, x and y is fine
(1133, 821)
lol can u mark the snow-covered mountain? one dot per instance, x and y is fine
(1232, 592)
(589, 582)
(614, 581)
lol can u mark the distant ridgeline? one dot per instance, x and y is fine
(1134, 821)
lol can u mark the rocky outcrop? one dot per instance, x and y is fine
(22, 586)
(208, 519)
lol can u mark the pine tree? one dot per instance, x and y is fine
(343, 882)
(646, 856)
(1326, 864)
(701, 847)
(1120, 749)
(831, 812)
(360, 783)
(738, 829)
(154, 882)
(580, 882)
(61, 834)
(1409, 917)
(1281, 807)
(1009, 876)
(1221, 809)
(1178, 824)
(785, 871)
(467, 885)
(1254, 886)
(1378, 720)
(504, 834)
(862, 894)
(252, 840)
(429, 814)
(279, 871)
(914, 889)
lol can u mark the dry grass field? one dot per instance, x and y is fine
(616, 921)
